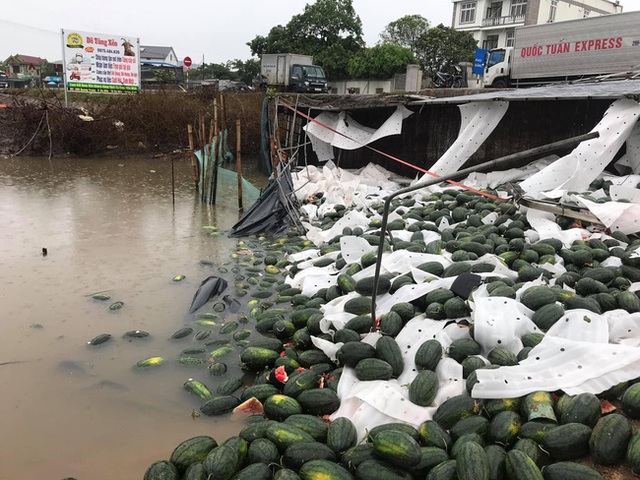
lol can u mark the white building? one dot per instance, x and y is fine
(492, 23)
(158, 55)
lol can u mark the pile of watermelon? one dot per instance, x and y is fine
(341, 395)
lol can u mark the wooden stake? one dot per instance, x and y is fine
(239, 165)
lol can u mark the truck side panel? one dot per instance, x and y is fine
(269, 68)
(590, 46)
(276, 67)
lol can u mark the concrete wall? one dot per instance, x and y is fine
(411, 81)
(362, 87)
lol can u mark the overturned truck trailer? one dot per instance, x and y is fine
(496, 296)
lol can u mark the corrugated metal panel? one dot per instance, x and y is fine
(575, 91)
(588, 46)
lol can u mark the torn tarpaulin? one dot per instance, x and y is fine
(209, 288)
(274, 212)
(340, 130)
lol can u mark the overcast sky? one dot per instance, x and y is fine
(218, 30)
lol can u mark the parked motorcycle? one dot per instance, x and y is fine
(448, 80)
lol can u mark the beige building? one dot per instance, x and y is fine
(492, 23)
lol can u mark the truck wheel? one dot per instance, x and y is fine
(500, 83)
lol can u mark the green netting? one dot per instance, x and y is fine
(227, 180)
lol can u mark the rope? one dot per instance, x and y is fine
(32, 136)
(396, 159)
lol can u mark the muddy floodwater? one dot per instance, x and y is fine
(108, 225)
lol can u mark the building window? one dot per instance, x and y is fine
(467, 12)
(495, 10)
(586, 13)
(490, 42)
(511, 37)
(518, 8)
(552, 11)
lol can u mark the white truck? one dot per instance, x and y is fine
(292, 73)
(568, 50)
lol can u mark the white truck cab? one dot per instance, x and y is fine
(497, 72)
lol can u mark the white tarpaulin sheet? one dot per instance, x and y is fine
(347, 134)
(582, 352)
(372, 403)
(631, 158)
(589, 159)
(357, 188)
(478, 121)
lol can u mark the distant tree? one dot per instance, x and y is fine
(442, 48)
(246, 71)
(381, 61)
(329, 30)
(279, 40)
(214, 70)
(48, 69)
(406, 32)
(165, 76)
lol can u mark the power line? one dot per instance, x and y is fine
(22, 25)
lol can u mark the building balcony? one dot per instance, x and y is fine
(498, 21)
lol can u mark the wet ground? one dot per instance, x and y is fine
(108, 225)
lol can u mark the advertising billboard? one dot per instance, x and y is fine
(100, 63)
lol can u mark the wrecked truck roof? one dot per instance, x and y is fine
(586, 90)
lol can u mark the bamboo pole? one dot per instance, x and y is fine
(203, 193)
(212, 143)
(223, 113)
(216, 149)
(211, 134)
(272, 139)
(215, 117)
(194, 164)
(239, 165)
(173, 184)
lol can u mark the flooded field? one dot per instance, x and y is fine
(108, 225)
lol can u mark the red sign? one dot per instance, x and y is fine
(187, 61)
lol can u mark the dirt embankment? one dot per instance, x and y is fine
(154, 123)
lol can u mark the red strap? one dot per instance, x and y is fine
(452, 182)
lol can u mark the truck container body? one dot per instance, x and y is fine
(292, 72)
(567, 51)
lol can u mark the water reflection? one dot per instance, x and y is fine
(108, 225)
